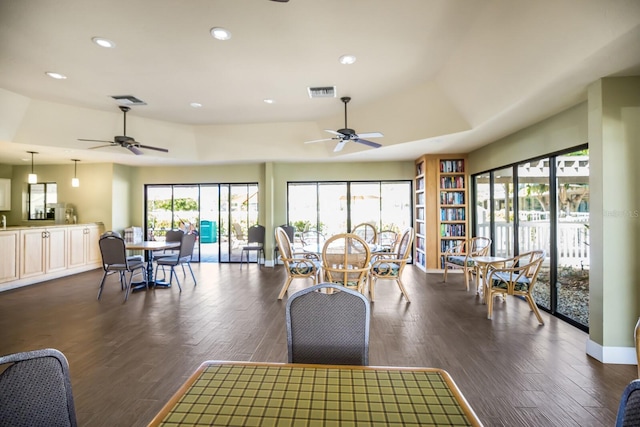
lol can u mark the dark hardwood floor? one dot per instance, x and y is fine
(128, 359)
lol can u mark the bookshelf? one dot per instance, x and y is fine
(441, 207)
(420, 258)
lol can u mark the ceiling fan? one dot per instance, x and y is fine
(125, 141)
(345, 135)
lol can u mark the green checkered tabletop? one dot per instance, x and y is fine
(254, 394)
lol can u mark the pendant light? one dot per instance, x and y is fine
(33, 178)
(75, 182)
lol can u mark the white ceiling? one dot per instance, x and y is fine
(432, 75)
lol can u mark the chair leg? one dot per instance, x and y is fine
(173, 272)
(104, 276)
(285, 287)
(466, 277)
(444, 275)
(402, 289)
(489, 300)
(534, 308)
(372, 285)
(192, 275)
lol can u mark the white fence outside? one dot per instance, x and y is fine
(573, 240)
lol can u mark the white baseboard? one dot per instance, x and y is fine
(612, 355)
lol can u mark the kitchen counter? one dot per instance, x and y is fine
(37, 253)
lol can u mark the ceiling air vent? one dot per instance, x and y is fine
(322, 92)
(128, 100)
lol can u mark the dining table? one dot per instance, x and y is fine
(149, 246)
(270, 394)
(483, 263)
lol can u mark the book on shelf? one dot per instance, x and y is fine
(452, 197)
(452, 166)
(452, 214)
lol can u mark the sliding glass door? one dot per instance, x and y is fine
(219, 214)
(543, 204)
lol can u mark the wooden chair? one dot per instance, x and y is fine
(461, 257)
(297, 265)
(390, 266)
(387, 241)
(345, 261)
(518, 278)
(290, 230)
(366, 231)
(328, 327)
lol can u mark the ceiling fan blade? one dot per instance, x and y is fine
(334, 132)
(340, 146)
(370, 135)
(102, 146)
(148, 147)
(369, 143)
(318, 140)
(96, 140)
(134, 149)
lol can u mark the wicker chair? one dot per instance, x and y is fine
(461, 257)
(345, 261)
(297, 265)
(328, 328)
(518, 278)
(367, 231)
(387, 241)
(390, 266)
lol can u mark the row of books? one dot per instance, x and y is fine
(420, 199)
(451, 166)
(452, 214)
(452, 181)
(452, 198)
(445, 245)
(452, 230)
(420, 243)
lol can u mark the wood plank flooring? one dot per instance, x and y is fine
(128, 359)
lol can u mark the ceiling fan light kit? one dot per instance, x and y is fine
(125, 141)
(346, 134)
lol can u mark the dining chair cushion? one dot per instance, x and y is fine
(386, 269)
(304, 267)
(460, 260)
(500, 279)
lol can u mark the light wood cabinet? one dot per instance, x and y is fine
(43, 250)
(83, 245)
(441, 207)
(9, 255)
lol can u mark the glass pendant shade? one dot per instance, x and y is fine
(32, 178)
(75, 182)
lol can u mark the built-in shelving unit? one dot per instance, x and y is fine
(441, 207)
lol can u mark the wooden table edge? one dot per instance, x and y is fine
(466, 408)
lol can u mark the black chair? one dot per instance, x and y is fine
(255, 243)
(114, 259)
(35, 390)
(328, 328)
(183, 257)
(629, 409)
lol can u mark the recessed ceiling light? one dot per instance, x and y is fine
(347, 59)
(220, 33)
(56, 76)
(269, 101)
(196, 105)
(103, 42)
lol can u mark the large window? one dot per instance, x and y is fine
(337, 207)
(543, 204)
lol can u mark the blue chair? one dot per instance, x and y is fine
(629, 409)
